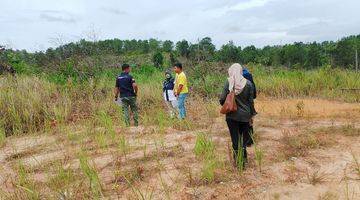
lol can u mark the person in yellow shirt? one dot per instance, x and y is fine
(181, 89)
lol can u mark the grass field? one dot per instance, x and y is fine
(64, 138)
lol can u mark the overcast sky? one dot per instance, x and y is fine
(38, 24)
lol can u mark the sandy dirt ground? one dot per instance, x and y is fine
(163, 165)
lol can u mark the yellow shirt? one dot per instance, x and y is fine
(181, 80)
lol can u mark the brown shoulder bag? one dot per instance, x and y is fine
(230, 104)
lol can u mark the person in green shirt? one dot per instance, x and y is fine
(181, 89)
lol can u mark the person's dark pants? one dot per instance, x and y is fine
(240, 137)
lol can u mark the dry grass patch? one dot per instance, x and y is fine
(23, 154)
(329, 196)
(316, 177)
(23, 186)
(266, 122)
(298, 145)
(63, 181)
(292, 173)
(307, 108)
(356, 165)
(129, 176)
(345, 130)
(183, 125)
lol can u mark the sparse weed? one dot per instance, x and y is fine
(189, 176)
(92, 175)
(140, 195)
(293, 173)
(204, 147)
(183, 125)
(298, 145)
(62, 180)
(349, 195)
(123, 145)
(73, 137)
(240, 159)
(276, 196)
(157, 116)
(145, 150)
(259, 153)
(259, 156)
(205, 150)
(356, 165)
(132, 175)
(346, 130)
(25, 184)
(106, 121)
(212, 110)
(208, 170)
(329, 196)
(2, 136)
(300, 108)
(165, 186)
(162, 141)
(101, 140)
(350, 130)
(316, 177)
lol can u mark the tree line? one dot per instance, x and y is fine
(297, 55)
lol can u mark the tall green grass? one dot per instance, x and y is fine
(29, 104)
(324, 83)
(26, 104)
(32, 103)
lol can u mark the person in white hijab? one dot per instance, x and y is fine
(236, 80)
(238, 121)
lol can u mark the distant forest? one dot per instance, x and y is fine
(340, 53)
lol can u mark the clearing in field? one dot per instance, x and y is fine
(304, 149)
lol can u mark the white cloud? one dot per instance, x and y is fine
(250, 4)
(57, 16)
(31, 24)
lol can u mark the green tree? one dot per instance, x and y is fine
(173, 59)
(269, 56)
(154, 45)
(203, 51)
(206, 46)
(158, 59)
(2, 54)
(144, 46)
(249, 54)
(229, 53)
(182, 47)
(294, 55)
(117, 46)
(130, 45)
(167, 46)
(314, 56)
(344, 53)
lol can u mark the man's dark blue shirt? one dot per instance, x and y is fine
(125, 84)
